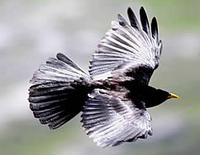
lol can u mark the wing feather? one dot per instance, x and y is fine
(127, 46)
(110, 120)
(132, 18)
(144, 20)
(154, 29)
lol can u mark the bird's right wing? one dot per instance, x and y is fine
(127, 47)
(110, 119)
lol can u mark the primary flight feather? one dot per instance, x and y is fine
(114, 97)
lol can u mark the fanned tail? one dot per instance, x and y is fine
(58, 92)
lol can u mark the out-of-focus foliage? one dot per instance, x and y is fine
(32, 30)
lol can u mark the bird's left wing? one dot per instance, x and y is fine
(110, 119)
(127, 47)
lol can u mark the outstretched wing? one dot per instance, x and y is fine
(111, 120)
(127, 47)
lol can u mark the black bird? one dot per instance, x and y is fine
(114, 96)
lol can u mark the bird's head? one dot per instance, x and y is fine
(158, 96)
(163, 95)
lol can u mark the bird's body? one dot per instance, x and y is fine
(114, 96)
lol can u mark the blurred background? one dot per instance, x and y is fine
(33, 30)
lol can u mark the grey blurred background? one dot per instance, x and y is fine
(33, 30)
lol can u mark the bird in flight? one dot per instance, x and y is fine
(114, 97)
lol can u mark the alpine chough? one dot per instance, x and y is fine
(114, 97)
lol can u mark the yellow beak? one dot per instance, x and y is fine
(171, 95)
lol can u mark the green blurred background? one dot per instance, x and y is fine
(33, 30)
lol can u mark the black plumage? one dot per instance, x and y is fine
(114, 97)
(132, 18)
(154, 29)
(144, 20)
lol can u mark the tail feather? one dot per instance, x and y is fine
(49, 88)
(57, 70)
(65, 59)
(54, 96)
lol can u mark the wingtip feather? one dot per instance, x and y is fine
(154, 28)
(132, 18)
(144, 20)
